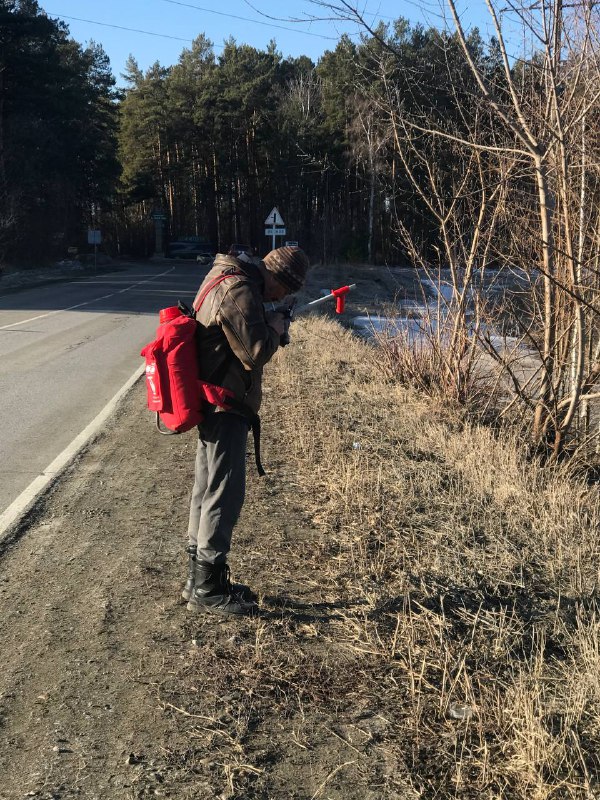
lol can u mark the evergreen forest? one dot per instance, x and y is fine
(214, 141)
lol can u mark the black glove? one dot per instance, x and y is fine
(288, 315)
(284, 339)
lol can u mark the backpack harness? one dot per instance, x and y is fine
(175, 390)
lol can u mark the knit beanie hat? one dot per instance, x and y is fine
(289, 266)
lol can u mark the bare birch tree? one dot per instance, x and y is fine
(370, 137)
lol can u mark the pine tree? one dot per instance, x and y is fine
(57, 132)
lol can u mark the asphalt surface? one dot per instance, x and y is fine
(66, 348)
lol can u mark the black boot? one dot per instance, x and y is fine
(188, 589)
(238, 588)
(213, 592)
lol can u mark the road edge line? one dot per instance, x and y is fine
(12, 515)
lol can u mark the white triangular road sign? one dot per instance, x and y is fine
(274, 219)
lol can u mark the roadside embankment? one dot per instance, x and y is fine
(429, 622)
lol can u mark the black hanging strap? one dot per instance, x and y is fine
(254, 422)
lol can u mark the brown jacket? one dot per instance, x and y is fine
(235, 340)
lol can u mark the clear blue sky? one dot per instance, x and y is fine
(243, 19)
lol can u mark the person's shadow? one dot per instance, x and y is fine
(281, 606)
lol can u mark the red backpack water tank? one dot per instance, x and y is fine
(175, 390)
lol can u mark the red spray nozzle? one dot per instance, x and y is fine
(340, 298)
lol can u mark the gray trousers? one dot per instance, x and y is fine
(219, 485)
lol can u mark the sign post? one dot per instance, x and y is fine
(159, 217)
(276, 225)
(95, 238)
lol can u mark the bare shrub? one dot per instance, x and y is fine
(438, 357)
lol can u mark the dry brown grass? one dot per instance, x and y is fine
(431, 625)
(478, 574)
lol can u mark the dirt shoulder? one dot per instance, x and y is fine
(417, 585)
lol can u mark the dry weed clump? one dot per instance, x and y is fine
(440, 358)
(463, 580)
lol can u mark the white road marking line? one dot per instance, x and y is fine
(27, 499)
(87, 303)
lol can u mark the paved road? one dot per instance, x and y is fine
(65, 349)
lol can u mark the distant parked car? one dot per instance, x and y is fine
(205, 258)
(237, 250)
